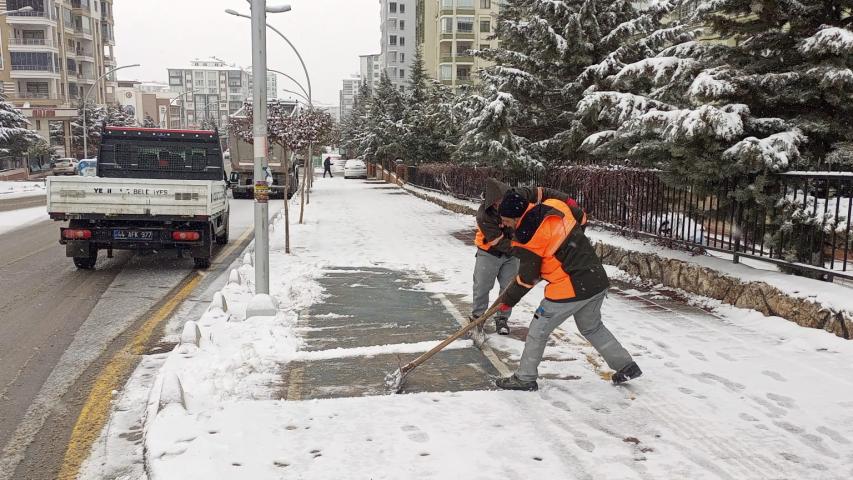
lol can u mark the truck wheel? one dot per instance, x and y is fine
(87, 263)
(223, 239)
(204, 262)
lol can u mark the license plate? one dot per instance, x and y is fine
(133, 234)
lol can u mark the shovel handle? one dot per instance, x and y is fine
(426, 356)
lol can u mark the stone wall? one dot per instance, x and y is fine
(707, 282)
(704, 281)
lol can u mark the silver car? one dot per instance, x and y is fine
(65, 166)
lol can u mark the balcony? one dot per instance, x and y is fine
(34, 71)
(32, 42)
(36, 17)
(84, 55)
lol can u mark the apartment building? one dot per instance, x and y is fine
(348, 95)
(147, 100)
(272, 85)
(447, 32)
(207, 91)
(370, 67)
(398, 21)
(54, 53)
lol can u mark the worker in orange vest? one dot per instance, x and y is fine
(550, 243)
(494, 260)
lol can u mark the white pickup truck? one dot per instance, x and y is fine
(154, 190)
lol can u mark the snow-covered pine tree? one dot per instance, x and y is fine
(15, 135)
(95, 116)
(771, 94)
(117, 116)
(353, 127)
(543, 58)
(422, 139)
(381, 138)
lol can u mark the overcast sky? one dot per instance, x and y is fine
(330, 34)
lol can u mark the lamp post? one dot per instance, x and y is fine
(183, 107)
(20, 10)
(85, 104)
(259, 106)
(309, 167)
(304, 94)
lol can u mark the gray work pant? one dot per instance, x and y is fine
(487, 269)
(551, 315)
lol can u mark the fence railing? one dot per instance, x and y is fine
(801, 222)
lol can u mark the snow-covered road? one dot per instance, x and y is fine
(727, 393)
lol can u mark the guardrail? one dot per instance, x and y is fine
(802, 222)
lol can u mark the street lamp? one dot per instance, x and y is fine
(20, 10)
(306, 95)
(259, 107)
(183, 107)
(86, 101)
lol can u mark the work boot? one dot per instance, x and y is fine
(515, 383)
(478, 334)
(628, 372)
(501, 326)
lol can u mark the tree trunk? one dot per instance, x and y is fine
(287, 206)
(304, 189)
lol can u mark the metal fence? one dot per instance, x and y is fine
(800, 222)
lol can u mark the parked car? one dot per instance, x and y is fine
(65, 166)
(339, 165)
(355, 168)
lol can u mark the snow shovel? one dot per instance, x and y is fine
(397, 379)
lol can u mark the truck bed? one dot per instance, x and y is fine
(80, 197)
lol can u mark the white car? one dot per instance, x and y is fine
(339, 165)
(355, 168)
(65, 166)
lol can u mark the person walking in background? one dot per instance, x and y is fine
(551, 244)
(494, 260)
(327, 167)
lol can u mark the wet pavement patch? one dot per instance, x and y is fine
(367, 307)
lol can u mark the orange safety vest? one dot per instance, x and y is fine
(482, 244)
(549, 237)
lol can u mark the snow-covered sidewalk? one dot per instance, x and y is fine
(727, 393)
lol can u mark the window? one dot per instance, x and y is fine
(485, 46)
(392, 57)
(402, 41)
(402, 24)
(402, 57)
(445, 72)
(402, 73)
(465, 24)
(392, 24)
(402, 8)
(392, 40)
(392, 7)
(485, 26)
(446, 25)
(463, 72)
(485, 3)
(446, 3)
(464, 48)
(464, 3)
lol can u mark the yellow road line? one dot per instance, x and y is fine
(97, 408)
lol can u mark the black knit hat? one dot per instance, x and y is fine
(513, 205)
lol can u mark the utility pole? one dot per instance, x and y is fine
(259, 108)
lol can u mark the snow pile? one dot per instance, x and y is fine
(775, 152)
(10, 189)
(15, 219)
